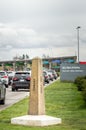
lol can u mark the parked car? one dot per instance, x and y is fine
(10, 76)
(29, 71)
(4, 77)
(46, 77)
(21, 80)
(2, 92)
(51, 77)
(53, 73)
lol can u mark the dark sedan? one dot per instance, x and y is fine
(21, 80)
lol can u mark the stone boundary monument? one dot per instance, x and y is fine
(37, 103)
(36, 114)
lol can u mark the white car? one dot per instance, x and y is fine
(4, 77)
(51, 77)
(53, 73)
(10, 76)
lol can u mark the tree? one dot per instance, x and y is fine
(27, 57)
(23, 57)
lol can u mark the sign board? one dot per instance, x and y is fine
(68, 72)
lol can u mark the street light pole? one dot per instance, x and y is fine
(78, 40)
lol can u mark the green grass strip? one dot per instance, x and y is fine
(62, 100)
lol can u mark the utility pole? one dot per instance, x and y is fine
(78, 40)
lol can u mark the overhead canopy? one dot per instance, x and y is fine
(45, 62)
(56, 61)
(56, 67)
(8, 64)
(19, 63)
(70, 60)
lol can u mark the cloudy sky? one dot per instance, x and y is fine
(37, 27)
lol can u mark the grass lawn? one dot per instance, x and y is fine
(62, 100)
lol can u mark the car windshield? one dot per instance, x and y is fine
(2, 73)
(51, 71)
(44, 72)
(23, 74)
(9, 72)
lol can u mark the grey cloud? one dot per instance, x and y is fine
(20, 37)
(41, 23)
(26, 37)
(15, 10)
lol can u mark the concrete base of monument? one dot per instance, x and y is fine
(36, 120)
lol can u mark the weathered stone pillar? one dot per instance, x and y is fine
(37, 103)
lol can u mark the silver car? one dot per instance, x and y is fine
(2, 92)
(4, 77)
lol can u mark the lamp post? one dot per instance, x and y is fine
(78, 40)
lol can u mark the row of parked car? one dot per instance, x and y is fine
(20, 80)
(49, 75)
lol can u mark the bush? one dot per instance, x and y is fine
(81, 85)
(79, 82)
(84, 90)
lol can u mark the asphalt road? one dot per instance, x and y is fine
(13, 97)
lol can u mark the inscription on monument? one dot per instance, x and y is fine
(33, 84)
(41, 83)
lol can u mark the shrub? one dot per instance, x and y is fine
(81, 85)
(79, 82)
(84, 90)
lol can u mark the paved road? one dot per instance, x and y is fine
(13, 97)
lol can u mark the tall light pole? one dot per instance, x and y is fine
(78, 40)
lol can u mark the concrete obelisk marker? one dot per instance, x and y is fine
(37, 103)
(36, 115)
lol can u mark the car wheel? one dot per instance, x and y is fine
(2, 102)
(48, 81)
(16, 89)
(13, 89)
(6, 85)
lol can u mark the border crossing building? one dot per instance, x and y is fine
(25, 64)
